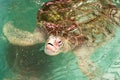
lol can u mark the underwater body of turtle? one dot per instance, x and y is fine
(72, 25)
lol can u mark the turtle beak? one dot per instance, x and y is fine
(52, 46)
(51, 49)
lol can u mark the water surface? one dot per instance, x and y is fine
(30, 63)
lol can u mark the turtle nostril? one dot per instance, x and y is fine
(50, 44)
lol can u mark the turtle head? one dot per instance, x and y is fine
(55, 45)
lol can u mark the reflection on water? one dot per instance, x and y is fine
(30, 63)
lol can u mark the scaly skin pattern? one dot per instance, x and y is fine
(80, 21)
(82, 25)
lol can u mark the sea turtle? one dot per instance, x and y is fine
(70, 25)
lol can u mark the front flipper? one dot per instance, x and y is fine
(20, 37)
(86, 65)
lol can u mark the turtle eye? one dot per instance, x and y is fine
(60, 43)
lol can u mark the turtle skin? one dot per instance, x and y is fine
(80, 21)
(86, 24)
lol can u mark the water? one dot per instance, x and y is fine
(30, 63)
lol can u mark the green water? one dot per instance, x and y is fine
(30, 63)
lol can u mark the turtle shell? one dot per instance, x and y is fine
(81, 20)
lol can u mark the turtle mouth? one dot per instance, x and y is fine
(50, 49)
